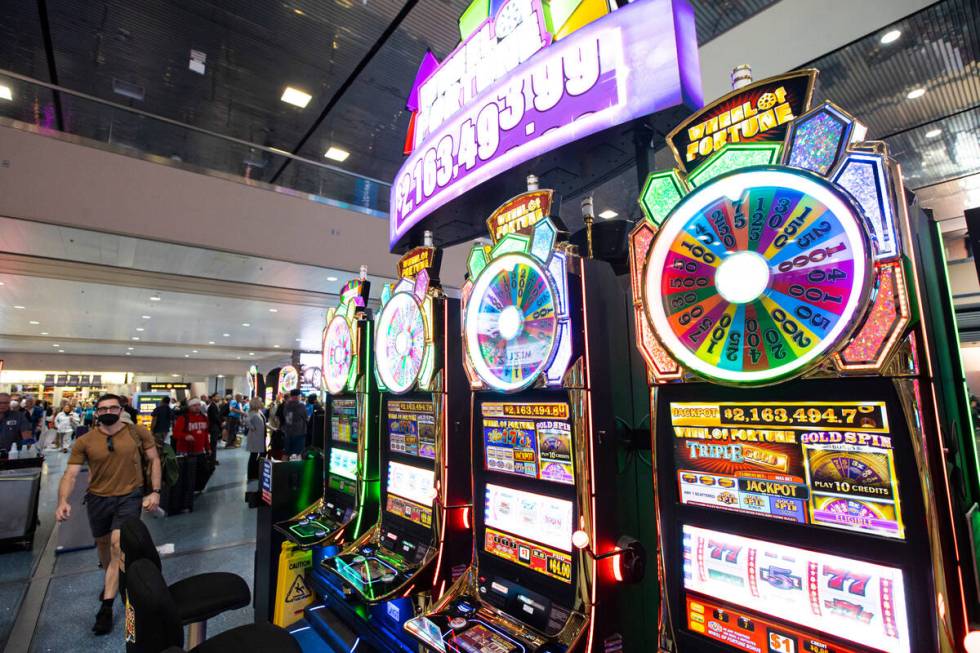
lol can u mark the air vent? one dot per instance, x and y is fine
(128, 89)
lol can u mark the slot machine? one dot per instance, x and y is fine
(536, 322)
(422, 534)
(802, 490)
(350, 486)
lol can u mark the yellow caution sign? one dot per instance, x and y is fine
(292, 592)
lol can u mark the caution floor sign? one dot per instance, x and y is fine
(292, 592)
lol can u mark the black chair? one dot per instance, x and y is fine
(154, 626)
(197, 598)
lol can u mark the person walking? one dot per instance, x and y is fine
(214, 426)
(65, 423)
(34, 415)
(14, 426)
(294, 423)
(233, 421)
(256, 434)
(114, 452)
(162, 420)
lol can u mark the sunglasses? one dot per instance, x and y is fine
(108, 444)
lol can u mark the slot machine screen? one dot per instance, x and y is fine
(343, 420)
(412, 428)
(531, 440)
(410, 492)
(342, 474)
(825, 463)
(846, 598)
(530, 530)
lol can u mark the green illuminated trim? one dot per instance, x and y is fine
(733, 156)
(511, 243)
(661, 193)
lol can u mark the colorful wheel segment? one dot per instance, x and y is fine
(511, 322)
(338, 354)
(757, 274)
(400, 346)
(288, 379)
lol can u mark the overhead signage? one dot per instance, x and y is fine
(511, 92)
(756, 113)
(418, 259)
(168, 386)
(520, 214)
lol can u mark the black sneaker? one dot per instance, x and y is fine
(103, 621)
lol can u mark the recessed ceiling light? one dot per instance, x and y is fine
(44, 333)
(251, 353)
(331, 278)
(155, 298)
(298, 11)
(145, 317)
(932, 133)
(273, 310)
(238, 358)
(61, 351)
(55, 345)
(226, 335)
(608, 214)
(187, 355)
(275, 346)
(890, 36)
(210, 342)
(19, 308)
(337, 154)
(246, 324)
(193, 351)
(129, 353)
(296, 97)
(915, 93)
(140, 329)
(34, 322)
(130, 348)
(221, 376)
(135, 338)
(6, 93)
(175, 375)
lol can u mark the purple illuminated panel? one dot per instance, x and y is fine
(636, 61)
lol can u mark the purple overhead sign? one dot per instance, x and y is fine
(636, 61)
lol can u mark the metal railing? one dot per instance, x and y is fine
(95, 122)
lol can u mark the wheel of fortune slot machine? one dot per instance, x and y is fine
(536, 322)
(421, 537)
(349, 503)
(802, 492)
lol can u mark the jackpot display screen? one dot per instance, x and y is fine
(842, 597)
(825, 463)
(530, 530)
(343, 420)
(411, 428)
(410, 492)
(532, 440)
(342, 473)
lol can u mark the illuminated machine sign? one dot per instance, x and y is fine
(536, 517)
(825, 463)
(532, 79)
(340, 347)
(310, 380)
(253, 381)
(168, 386)
(288, 379)
(758, 113)
(343, 463)
(411, 428)
(529, 440)
(410, 492)
(513, 338)
(851, 599)
(343, 420)
(405, 355)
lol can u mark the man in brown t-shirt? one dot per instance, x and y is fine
(115, 489)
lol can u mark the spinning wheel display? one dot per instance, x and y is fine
(757, 275)
(401, 342)
(338, 354)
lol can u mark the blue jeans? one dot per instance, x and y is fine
(295, 444)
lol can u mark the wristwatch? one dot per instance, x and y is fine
(154, 491)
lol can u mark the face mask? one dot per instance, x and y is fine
(108, 419)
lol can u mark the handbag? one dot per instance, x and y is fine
(145, 463)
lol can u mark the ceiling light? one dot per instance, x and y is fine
(193, 351)
(915, 93)
(221, 376)
(238, 358)
(608, 214)
(890, 36)
(296, 97)
(251, 353)
(155, 298)
(273, 310)
(61, 351)
(331, 278)
(187, 355)
(19, 308)
(175, 375)
(55, 345)
(44, 333)
(130, 348)
(932, 133)
(299, 12)
(210, 342)
(145, 317)
(135, 338)
(140, 329)
(129, 353)
(246, 324)
(275, 346)
(6, 93)
(226, 335)
(337, 154)
(34, 322)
